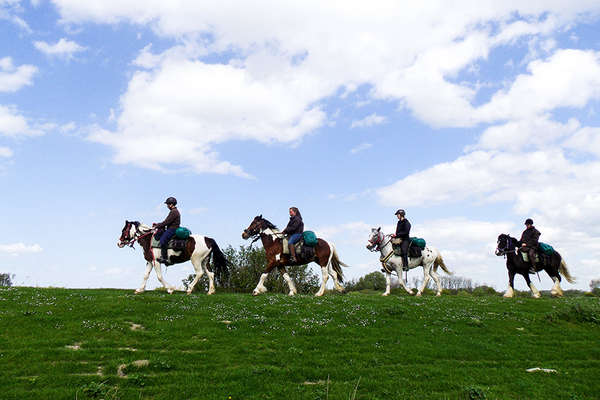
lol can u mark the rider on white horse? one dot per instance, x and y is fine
(402, 237)
(172, 222)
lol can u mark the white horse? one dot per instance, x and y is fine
(430, 260)
(198, 249)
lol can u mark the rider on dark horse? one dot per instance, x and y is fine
(529, 242)
(401, 237)
(294, 231)
(171, 223)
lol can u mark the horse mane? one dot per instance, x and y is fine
(268, 223)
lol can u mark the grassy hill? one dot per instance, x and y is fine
(112, 344)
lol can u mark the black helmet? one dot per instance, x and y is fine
(171, 200)
(528, 221)
(401, 212)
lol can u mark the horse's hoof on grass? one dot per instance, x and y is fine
(255, 293)
(385, 294)
(438, 295)
(419, 294)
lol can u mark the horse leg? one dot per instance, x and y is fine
(288, 279)
(534, 292)
(436, 279)
(556, 289)
(211, 276)
(199, 272)
(426, 278)
(142, 288)
(158, 270)
(325, 274)
(260, 287)
(510, 292)
(336, 281)
(388, 284)
(399, 270)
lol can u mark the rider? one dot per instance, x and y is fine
(401, 237)
(172, 222)
(294, 231)
(529, 242)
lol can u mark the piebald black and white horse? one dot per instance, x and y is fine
(198, 250)
(325, 255)
(430, 260)
(507, 246)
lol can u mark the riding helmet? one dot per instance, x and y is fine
(401, 212)
(528, 221)
(171, 200)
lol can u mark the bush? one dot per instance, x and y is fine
(247, 265)
(484, 291)
(373, 281)
(6, 280)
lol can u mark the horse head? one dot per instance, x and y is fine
(128, 234)
(257, 226)
(375, 239)
(506, 244)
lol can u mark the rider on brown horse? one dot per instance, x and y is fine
(529, 242)
(172, 222)
(294, 231)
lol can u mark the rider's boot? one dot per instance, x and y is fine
(164, 258)
(292, 253)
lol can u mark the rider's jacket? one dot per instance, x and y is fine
(403, 229)
(172, 221)
(530, 237)
(294, 226)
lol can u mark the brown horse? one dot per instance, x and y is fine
(198, 249)
(272, 240)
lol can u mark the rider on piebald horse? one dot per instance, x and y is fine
(294, 231)
(401, 238)
(529, 243)
(172, 222)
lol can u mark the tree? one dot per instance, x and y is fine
(6, 279)
(374, 281)
(245, 268)
(594, 284)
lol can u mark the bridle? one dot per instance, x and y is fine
(377, 243)
(258, 230)
(507, 249)
(137, 235)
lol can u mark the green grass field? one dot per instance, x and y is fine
(112, 344)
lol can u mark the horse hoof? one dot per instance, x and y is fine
(385, 294)
(210, 293)
(291, 293)
(438, 294)
(138, 291)
(255, 293)
(188, 292)
(507, 295)
(537, 296)
(419, 294)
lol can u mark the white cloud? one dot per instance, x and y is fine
(63, 48)
(296, 55)
(9, 10)
(369, 120)
(13, 124)
(14, 78)
(360, 147)
(5, 152)
(19, 248)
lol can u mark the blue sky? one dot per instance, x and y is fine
(471, 117)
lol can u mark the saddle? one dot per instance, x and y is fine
(414, 248)
(540, 258)
(174, 243)
(303, 251)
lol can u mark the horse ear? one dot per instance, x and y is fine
(378, 229)
(126, 222)
(260, 216)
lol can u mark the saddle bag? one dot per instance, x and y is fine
(415, 241)
(182, 233)
(545, 249)
(310, 239)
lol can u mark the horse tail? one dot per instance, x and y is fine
(336, 262)
(220, 263)
(439, 262)
(565, 271)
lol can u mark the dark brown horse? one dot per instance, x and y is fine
(198, 249)
(272, 241)
(514, 263)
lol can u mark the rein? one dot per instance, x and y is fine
(131, 243)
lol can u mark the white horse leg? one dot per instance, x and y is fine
(426, 269)
(290, 283)
(436, 279)
(260, 287)
(556, 289)
(198, 268)
(399, 272)
(535, 293)
(388, 284)
(142, 288)
(509, 292)
(336, 281)
(158, 270)
(321, 291)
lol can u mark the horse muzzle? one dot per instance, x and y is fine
(245, 235)
(120, 244)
